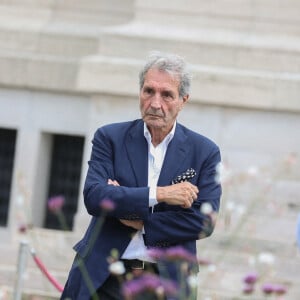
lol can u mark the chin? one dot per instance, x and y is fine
(154, 123)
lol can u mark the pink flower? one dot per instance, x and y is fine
(156, 253)
(177, 253)
(251, 278)
(268, 288)
(55, 203)
(22, 229)
(147, 285)
(279, 289)
(248, 289)
(180, 253)
(107, 205)
(204, 262)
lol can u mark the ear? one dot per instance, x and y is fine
(185, 98)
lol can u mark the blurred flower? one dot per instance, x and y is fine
(117, 268)
(279, 289)
(266, 258)
(248, 289)
(212, 268)
(149, 284)
(193, 281)
(22, 228)
(107, 205)
(240, 209)
(206, 208)
(177, 253)
(251, 278)
(204, 262)
(223, 173)
(267, 288)
(252, 171)
(156, 253)
(230, 205)
(55, 203)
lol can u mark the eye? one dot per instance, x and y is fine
(148, 90)
(167, 96)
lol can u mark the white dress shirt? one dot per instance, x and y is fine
(136, 248)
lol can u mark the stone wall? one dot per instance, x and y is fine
(71, 66)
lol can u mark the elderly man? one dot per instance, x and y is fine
(157, 174)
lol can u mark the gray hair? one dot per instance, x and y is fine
(171, 63)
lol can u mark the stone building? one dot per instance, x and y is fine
(68, 67)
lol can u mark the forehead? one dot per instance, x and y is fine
(161, 79)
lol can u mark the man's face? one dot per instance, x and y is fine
(159, 100)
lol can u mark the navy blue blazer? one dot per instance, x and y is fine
(120, 152)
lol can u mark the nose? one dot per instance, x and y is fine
(156, 101)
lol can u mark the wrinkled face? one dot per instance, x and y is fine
(159, 100)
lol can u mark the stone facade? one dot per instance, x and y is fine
(68, 67)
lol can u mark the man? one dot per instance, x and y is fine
(134, 164)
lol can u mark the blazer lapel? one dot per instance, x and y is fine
(137, 149)
(177, 152)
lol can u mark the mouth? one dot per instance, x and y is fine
(154, 116)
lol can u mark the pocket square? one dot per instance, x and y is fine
(185, 176)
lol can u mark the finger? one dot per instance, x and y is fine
(194, 195)
(195, 189)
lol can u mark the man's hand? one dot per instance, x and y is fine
(113, 182)
(183, 193)
(136, 224)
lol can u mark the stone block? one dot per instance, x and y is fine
(255, 16)
(205, 46)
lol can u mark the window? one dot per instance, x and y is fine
(7, 152)
(65, 173)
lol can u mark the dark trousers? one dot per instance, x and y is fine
(111, 288)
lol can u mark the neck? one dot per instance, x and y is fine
(158, 135)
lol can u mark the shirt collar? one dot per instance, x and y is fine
(166, 140)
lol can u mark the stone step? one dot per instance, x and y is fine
(78, 12)
(205, 46)
(268, 16)
(102, 74)
(40, 71)
(212, 85)
(36, 33)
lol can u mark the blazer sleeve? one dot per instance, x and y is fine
(177, 225)
(129, 202)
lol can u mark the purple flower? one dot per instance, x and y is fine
(180, 253)
(204, 262)
(248, 289)
(251, 278)
(156, 253)
(279, 289)
(177, 253)
(107, 205)
(55, 203)
(268, 288)
(22, 228)
(148, 283)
